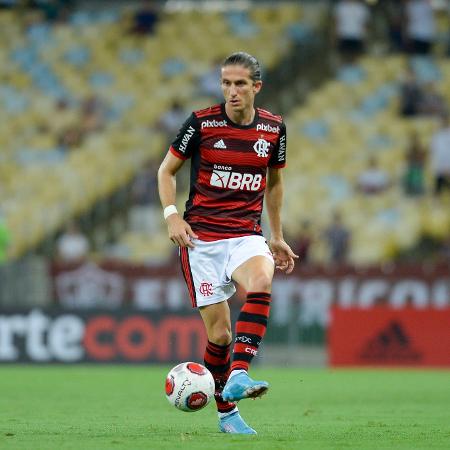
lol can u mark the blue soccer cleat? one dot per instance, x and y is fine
(234, 423)
(242, 386)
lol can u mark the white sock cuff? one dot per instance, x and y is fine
(236, 372)
(222, 415)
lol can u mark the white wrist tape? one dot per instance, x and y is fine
(169, 210)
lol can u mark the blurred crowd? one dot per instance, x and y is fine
(358, 28)
(408, 27)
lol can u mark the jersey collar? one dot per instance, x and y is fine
(236, 125)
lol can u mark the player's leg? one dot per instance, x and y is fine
(217, 322)
(255, 276)
(204, 271)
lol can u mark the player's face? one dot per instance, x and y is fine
(238, 88)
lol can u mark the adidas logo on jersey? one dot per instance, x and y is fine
(220, 144)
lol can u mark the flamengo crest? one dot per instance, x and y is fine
(206, 289)
(261, 148)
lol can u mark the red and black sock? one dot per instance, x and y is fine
(217, 361)
(250, 329)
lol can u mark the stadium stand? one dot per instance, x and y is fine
(82, 120)
(353, 116)
(71, 159)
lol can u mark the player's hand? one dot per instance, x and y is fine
(180, 232)
(283, 256)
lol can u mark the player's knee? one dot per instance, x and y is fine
(221, 335)
(260, 282)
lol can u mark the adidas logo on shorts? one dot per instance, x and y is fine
(220, 144)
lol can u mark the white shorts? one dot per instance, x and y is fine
(208, 267)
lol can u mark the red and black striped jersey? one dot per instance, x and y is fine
(228, 170)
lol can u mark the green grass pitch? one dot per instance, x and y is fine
(112, 407)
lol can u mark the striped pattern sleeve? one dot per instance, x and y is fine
(187, 140)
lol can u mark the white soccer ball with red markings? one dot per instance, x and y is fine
(189, 386)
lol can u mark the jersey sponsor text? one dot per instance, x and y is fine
(282, 148)
(185, 141)
(213, 123)
(267, 127)
(235, 180)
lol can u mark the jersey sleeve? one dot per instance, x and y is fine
(278, 157)
(188, 138)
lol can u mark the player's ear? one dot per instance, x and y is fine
(257, 85)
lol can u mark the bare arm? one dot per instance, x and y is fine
(282, 253)
(179, 230)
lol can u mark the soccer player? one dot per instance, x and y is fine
(237, 152)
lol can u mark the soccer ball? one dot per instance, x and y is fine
(189, 386)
